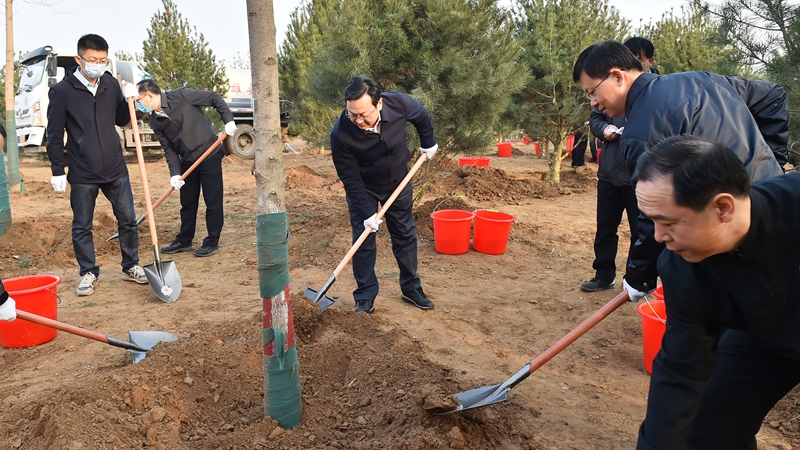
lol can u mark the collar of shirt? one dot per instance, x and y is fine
(377, 128)
(84, 81)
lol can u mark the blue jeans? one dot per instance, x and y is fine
(82, 199)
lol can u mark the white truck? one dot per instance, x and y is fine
(43, 68)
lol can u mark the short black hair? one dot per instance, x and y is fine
(699, 169)
(92, 42)
(598, 60)
(149, 85)
(638, 44)
(360, 85)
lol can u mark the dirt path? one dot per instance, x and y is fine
(363, 377)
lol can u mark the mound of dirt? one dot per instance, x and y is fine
(362, 388)
(303, 177)
(493, 184)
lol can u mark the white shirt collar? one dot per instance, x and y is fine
(85, 81)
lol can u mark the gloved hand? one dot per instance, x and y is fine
(230, 128)
(176, 182)
(373, 223)
(634, 294)
(610, 132)
(8, 310)
(59, 183)
(430, 151)
(129, 90)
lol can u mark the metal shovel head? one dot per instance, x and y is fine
(148, 340)
(476, 398)
(167, 284)
(321, 300)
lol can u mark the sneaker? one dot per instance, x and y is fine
(86, 286)
(176, 247)
(365, 306)
(596, 284)
(206, 251)
(418, 298)
(135, 273)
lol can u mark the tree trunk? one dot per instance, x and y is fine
(12, 148)
(554, 162)
(282, 399)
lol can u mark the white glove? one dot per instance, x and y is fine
(176, 182)
(610, 132)
(129, 90)
(373, 223)
(429, 151)
(230, 128)
(634, 295)
(8, 310)
(59, 183)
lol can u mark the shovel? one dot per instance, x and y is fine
(484, 396)
(221, 138)
(319, 297)
(139, 343)
(162, 275)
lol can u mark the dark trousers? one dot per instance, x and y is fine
(403, 232)
(208, 178)
(748, 380)
(611, 202)
(579, 150)
(82, 198)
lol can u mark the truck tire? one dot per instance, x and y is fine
(242, 143)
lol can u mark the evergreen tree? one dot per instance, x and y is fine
(554, 33)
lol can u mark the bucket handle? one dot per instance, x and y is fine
(654, 311)
(474, 206)
(54, 293)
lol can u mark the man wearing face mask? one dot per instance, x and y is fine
(184, 132)
(87, 103)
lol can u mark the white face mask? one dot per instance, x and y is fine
(94, 70)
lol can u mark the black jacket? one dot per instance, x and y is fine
(613, 167)
(3, 293)
(378, 162)
(93, 144)
(186, 133)
(753, 289)
(750, 117)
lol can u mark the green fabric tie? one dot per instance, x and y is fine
(272, 236)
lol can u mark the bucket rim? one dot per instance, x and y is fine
(468, 215)
(56, 280)
(646, 310)
(511, 218)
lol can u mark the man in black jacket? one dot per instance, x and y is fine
(368, 145)
(747, 116)
(88, 102)
(184, 132)
(731, 349)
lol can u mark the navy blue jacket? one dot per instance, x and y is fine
(753, 289)
(749, 117)
(186, 134)
(613, 167)
(378, 162)
(93, 144)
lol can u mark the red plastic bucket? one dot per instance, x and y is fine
(654, 317)
(526, 140)
(504, 149)
(659, 292)
(492, 229)
(477, 161)
(451, 229)
(34, 294)
(537, 147)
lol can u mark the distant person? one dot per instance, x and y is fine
(749, 117)
(579, 149)
(644, 51)
(184, 132)
(731, 349)
(368, 146)
(8, 307)
(88, 102)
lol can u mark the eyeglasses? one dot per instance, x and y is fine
(101, 61)
(590, 94)
(363, 117)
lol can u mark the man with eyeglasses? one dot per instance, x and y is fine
(749, 117)
(87, 103)
(368, 146)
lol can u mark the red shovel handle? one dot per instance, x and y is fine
(44, 321)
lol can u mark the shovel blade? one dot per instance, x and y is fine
(321, 300)
(476, 398)
(148, 340)
(167, 284)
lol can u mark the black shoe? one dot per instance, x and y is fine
(177, 247)
(597, 285)
(365, 306)
(591, 160)
(418, 298)
(207, 251)
(578, 165)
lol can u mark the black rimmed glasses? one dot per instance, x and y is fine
(362, 117)
(590, 94)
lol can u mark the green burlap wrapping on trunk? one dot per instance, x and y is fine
(272, 237)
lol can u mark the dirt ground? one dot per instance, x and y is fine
(364, 378)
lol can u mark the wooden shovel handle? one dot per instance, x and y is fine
(44, 321)
(381, 212)
(143, 172)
